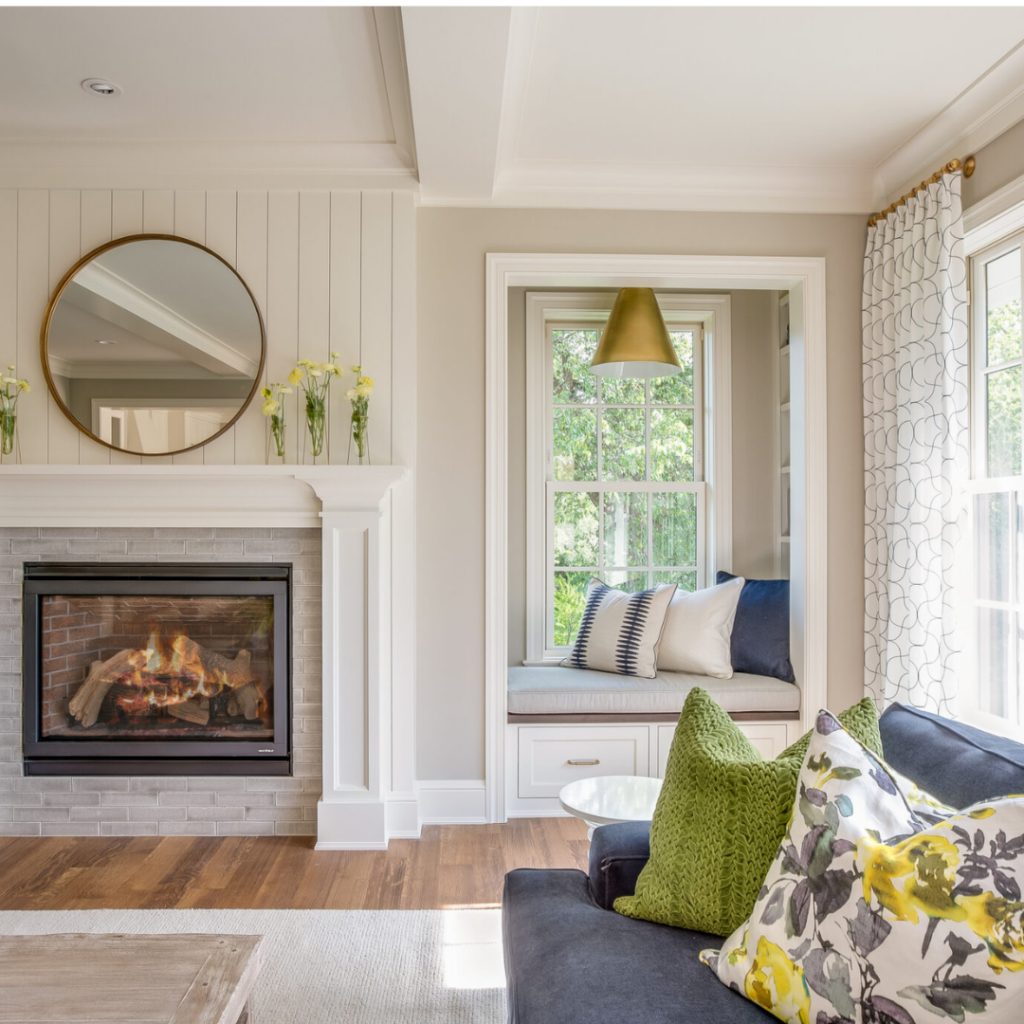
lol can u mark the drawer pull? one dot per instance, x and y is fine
(584, 761)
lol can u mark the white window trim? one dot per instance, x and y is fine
(986, 240)
(712, 313)
(804, 278)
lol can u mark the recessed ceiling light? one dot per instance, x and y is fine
(101, 87)
(105, 341)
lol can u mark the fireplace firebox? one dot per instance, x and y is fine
(164, 669)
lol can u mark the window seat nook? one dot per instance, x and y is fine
(554, 690)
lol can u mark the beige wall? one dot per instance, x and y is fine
(452, 244)
(753, 424)
(999, 163)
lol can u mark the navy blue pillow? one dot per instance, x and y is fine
(760, 634)
(954, 762)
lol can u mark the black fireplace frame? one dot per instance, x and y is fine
(162, 757)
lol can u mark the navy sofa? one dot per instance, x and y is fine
(570, 959)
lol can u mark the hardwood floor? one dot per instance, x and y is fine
(450, 866)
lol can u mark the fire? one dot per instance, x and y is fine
(172, 673)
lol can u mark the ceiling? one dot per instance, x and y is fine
(670, 107)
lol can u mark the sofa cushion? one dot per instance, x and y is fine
(567, 961)
(553, 690)
(760, 633)
(719, 819)
(880, 906)
(954, 762)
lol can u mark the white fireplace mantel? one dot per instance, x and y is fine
(161, 494)
(369, 791)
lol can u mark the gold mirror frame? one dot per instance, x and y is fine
(44, 335)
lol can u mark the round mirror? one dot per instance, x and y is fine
(152, 345)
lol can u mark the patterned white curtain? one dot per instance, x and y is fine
(915, 446)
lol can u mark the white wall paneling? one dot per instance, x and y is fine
(322, 266)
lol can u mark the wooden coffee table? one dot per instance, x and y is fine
(114, 979)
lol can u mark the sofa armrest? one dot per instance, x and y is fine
(617, 856)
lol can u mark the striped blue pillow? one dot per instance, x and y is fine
(620, 632)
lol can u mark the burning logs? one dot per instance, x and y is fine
(182, 688)
(85, 705)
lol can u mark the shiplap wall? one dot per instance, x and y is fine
(329, 270)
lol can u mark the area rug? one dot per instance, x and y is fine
(323, 966)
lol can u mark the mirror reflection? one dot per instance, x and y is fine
(153, 346)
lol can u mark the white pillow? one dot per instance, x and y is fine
(619, 632)
(698, 631)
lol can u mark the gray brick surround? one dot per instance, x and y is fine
(157, 805)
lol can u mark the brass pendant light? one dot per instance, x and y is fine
(635, 342)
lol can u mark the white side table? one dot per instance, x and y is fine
(611, 798)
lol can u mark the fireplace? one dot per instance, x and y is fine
(157, 669)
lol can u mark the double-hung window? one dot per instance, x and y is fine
(623, 469)
(996, 621)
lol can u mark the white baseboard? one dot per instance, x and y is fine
(452, 802)
(403, 816)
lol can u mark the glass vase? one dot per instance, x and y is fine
(275, 442)
(8, 425)
(360, 433)
(316, 423)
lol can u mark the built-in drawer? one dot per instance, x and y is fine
(552, 756)
(770, 739)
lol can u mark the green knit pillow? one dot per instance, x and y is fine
(720, 818)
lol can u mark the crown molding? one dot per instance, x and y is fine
(120, 164)
(981, 113)
(695, 187)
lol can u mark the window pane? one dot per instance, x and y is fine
(993, 514)
(684, 580)
(625, 528)
(1002, 304)
(628, 582)
(623, 391)
(672, 445)
(575, 444)
(570, 601)
(677, 390)
(994, 638)
(623, 444)
(1003, 414)
(576, 528)
(675, 528)
(571, 355)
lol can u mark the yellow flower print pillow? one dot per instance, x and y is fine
(882, 904)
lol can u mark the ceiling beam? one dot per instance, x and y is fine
(456, 57)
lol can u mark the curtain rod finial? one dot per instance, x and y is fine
(969, 164)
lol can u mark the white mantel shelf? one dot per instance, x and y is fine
(161, 494)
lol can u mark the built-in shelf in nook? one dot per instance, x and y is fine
(782, 446)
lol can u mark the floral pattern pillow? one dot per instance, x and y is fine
(883, 905)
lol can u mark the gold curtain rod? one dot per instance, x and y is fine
(954, 165)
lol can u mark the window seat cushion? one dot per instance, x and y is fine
(553, 690)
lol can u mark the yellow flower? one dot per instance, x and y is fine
(356, 370)
(9, 380)
(927, 863)
(283, 389)
(366, 380)
(24, 385)
(266, 392)
(992, 918)
(334, 355)
(315, 371)
(308, 363)
(350, 394)
(11, 366)
(364, 390)
(777, 984)
(270, 406)
(295, 376)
